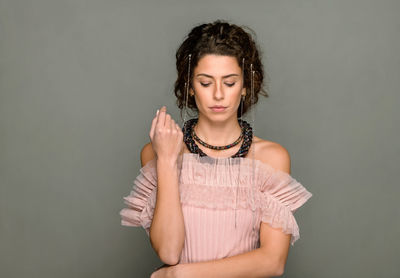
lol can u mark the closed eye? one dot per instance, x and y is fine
(208, 84)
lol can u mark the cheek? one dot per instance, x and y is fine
(201, 99)
(236, 94)
(201, 93)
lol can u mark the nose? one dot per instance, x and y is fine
(218, 91)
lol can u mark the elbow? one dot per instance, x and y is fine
(169, 258)
(279, 269)
(275, 268)
(168, 253)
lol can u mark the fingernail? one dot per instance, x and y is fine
(157, 111)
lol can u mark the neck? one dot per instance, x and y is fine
(217, 133)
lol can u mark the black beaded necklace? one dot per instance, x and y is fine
(194, 135)
(247, 134)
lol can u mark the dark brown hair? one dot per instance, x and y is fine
(220, 38)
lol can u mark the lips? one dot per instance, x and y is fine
(218, 108)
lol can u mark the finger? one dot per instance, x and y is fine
(175, 127)
(179, 130)
(153, 126)
(161, 116)
(178, 127)
(168, 120)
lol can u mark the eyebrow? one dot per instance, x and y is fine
(210, 76)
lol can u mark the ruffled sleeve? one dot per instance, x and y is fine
(141, 200)
(281, 196)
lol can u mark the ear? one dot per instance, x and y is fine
(191, 91)
(243, 91)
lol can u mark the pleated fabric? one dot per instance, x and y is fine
(224, 201)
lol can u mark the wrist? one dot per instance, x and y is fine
(167, 161)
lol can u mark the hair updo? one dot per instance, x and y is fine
(219, 38)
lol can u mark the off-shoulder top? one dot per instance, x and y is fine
(224, 201)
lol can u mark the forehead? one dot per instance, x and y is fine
(217, 65)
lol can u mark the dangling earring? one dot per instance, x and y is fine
(252, 101)
(243, 96)
(252, 97)
(187, 85)
(241, 106)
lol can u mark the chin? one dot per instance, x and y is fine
(219, 117)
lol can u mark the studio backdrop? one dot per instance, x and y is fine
(80, 82)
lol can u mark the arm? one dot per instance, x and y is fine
(267, 261)
(167, 232)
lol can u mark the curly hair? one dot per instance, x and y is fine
(220, 38)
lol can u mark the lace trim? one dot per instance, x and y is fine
(141, 200)
(222, 183)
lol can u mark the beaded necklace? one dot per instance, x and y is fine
(194, 135)
(247, 133)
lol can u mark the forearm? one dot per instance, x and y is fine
(167, 232)
(251, 264)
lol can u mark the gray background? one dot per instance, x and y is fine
(80, 82)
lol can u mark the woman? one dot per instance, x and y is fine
(215, 200)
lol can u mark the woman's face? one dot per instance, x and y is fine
(217, 82)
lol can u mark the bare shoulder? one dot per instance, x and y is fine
(272, 153)
(147, 154)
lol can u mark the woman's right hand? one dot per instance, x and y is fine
(166, 136)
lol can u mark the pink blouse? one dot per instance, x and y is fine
(223, 201)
